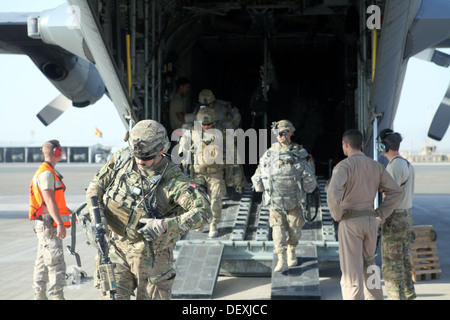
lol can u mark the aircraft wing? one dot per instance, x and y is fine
(74, 57)
(409, 27)
(13, 33)
(76, 78)
(103, 59)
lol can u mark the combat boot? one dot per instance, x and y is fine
(57, 296)
(282, 262)
(291, 257)
(213, 233)
(40, 295)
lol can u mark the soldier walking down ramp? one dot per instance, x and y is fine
(205, 145)
(227, 116)
(351, 192)
(147, 203)
(51, 216)
(282, 175)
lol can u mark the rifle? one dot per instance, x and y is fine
(105, 271)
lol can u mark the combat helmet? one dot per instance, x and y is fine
(206, 97)
(283, 125)
(206, 116)
(147, 139)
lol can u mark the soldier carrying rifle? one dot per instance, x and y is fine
(147, 203)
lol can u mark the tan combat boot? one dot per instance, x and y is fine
(57, 296)
(40, 295)
(213, 233)
(291, 257)
(281, 263)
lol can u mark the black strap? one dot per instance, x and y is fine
(71, 248)
(399, 157)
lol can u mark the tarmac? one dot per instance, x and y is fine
(18, 243)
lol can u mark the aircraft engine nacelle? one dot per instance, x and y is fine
(71, 72)
(78, 81)
(76, 78)
(65, 60)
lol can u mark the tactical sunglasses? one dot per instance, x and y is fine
(146, 158)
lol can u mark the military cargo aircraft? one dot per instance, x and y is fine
(326, 64)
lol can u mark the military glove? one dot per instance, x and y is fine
(152, 229)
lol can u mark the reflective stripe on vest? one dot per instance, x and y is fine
(37, 203)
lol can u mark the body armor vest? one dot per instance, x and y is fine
(124, 199)
(207, 154)
(285, 176)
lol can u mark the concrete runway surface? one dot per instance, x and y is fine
(18, 243)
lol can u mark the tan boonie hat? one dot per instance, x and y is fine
(206, 96)
(148, 138)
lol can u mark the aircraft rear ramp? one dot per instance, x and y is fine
(244, 248)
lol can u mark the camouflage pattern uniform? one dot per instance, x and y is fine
(124, 192)
(227, 116)
(207, 162)
(282, 175)
(396, 236)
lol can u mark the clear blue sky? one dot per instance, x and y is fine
(25, 91)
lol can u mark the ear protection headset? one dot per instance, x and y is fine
(56, 150)
(382, 145)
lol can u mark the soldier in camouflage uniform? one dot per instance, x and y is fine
(145, 228)
(283, 175)
(397, 228)
(228, 117)
(205, 145)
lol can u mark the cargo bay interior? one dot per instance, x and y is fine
(308, 62)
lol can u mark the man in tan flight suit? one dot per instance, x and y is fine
(350, 195)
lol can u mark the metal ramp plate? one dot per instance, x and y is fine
(301, 281)
(197, 270)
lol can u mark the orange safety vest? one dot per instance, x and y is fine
(37, 203)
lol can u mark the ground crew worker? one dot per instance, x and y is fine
(51, 217)
(205, 147)
(351, 191)
(397, 228)
(148, 203)
(283, 175)
(178, 104)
